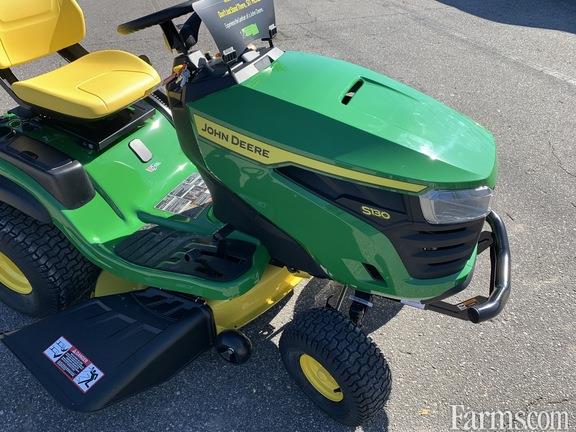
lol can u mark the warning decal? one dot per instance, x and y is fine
(189, 194)
(71, 362)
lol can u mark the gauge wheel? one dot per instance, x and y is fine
(336, 365)
(40, 271)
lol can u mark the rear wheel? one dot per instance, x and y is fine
(336, 365)
(40, 271)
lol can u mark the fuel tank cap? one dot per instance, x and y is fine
(142, 152)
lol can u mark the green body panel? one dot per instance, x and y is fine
(341, 242)
(387, 129)
(131, 194)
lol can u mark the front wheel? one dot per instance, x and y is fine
(336, 365)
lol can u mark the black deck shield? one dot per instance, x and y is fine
(107, 349)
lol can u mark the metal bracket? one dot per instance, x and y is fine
(340, 299)
(361, 301)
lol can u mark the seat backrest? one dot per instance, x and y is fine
(30, 29)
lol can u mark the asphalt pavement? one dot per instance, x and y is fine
(511, 66)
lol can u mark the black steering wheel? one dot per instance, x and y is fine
(157, 18)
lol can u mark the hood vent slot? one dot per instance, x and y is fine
(352, 92)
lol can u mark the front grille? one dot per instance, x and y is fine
(434, 251)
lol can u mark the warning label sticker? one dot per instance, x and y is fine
(189, 194)
(73, 364)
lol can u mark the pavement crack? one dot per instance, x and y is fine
(550, 402)
(533, 402)
(559, 160)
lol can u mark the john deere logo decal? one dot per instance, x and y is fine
(268, 154)
(222, 135)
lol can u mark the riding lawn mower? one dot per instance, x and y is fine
(146, 221)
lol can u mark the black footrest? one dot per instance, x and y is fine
(218, 259)
(107, 349)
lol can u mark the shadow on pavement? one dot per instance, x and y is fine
(314, 294)
(547, 14)
(318, 291)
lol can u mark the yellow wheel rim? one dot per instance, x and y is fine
(12, 277)
(320, 378)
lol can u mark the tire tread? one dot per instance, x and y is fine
(68, 274)
(355, 358)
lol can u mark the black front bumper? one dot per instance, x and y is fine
(480, 308)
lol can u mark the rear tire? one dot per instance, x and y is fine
(57, 273)
(346, 357)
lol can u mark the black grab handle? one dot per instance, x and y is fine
(501, 273)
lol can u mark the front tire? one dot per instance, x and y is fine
(336, 365)
(40, 271)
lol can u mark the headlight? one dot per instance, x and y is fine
(456, 206)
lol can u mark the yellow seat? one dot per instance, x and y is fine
(94, 86)
(91, 87)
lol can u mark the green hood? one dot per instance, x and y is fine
(386, 129)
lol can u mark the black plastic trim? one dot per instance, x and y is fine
(231, 209)
(136, 340)
(73, 53)
(7, 78)
(159, 101)
(99, 134)
(221, 260)
(64, 178)
(20, 199)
